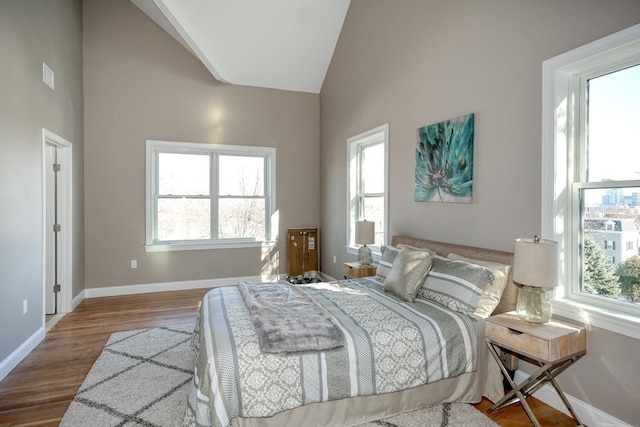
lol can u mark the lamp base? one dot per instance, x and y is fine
(534, 305)
(364, 255)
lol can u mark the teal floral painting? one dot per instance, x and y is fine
(444, 161)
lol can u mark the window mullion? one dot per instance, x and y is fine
(156, 193)
(213, 193)
(266, 191)
(360, 185)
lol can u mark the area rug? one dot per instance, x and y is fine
(141, 379)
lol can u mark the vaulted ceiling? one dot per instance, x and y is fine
(279, 44)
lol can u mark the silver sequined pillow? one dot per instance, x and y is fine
(408, 271)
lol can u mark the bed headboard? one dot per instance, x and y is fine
(508, 300)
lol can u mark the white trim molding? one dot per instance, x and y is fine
(379, 134)
(589, 415)
(65, 219)
(8, 364)
(562, 116)
(110, 291)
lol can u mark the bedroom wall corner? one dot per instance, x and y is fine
(140, 84)
(439, 60)
(33, 32)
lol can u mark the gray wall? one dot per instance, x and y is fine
(141, 84)
(408, 63)
(417, 62)
(33, 32)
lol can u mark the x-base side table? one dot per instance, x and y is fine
(553, 346)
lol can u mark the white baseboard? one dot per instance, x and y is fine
(75, 302)
(588, 414)
(8, 364)
(21, 352)
(110, 291)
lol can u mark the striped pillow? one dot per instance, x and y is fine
(491, 295)
(389, 253)
(456, 284)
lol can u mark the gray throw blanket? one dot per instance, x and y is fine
(287, 320)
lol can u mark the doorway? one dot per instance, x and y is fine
(57, 227)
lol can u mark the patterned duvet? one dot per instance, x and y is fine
(391, 345)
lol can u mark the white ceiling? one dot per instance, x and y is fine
(279, 44)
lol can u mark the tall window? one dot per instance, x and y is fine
(368, 182)
(201, 195)
(591, 175)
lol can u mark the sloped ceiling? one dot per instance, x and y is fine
(279, 44)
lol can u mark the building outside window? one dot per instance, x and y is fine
(202, 195)
(368, 183)
(591, 175)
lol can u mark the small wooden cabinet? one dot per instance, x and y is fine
(302, 250)
(354, 269)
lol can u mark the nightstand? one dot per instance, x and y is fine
(354, 269)
(552, 346)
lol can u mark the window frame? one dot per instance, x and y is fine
(155, 147)
(563, 124)
(379, 134)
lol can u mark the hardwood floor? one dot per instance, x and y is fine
(38, 391)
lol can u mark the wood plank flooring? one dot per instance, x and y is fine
(38, 391)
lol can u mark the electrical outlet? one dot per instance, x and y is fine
(134, 263)
(334, 259)
(25, 306)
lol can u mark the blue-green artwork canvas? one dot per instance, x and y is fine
(444, 161)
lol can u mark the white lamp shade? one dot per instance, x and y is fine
(535, 262)
(365, 232)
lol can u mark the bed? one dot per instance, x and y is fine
(236, 383)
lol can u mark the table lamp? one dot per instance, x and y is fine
(365, 234)
(535, 267)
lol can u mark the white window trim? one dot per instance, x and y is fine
(352, 147)
(560, 82)
(152, 146)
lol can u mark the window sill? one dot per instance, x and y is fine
(598, 317)
(169, 247)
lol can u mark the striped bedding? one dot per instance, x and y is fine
(391, 345)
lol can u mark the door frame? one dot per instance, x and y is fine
(65, 219)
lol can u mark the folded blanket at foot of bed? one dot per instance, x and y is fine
(288, 320)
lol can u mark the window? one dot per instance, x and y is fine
(591, 178)
(203, 196)
(368, 184)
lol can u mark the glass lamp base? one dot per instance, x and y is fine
(364, 255)
(534, 304)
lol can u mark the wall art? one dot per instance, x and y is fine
(444, 161)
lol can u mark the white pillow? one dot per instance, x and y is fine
(492, 293)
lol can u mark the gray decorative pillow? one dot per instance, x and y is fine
(456, 284)
(384, 265)
(408, 271)
(491, 295)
